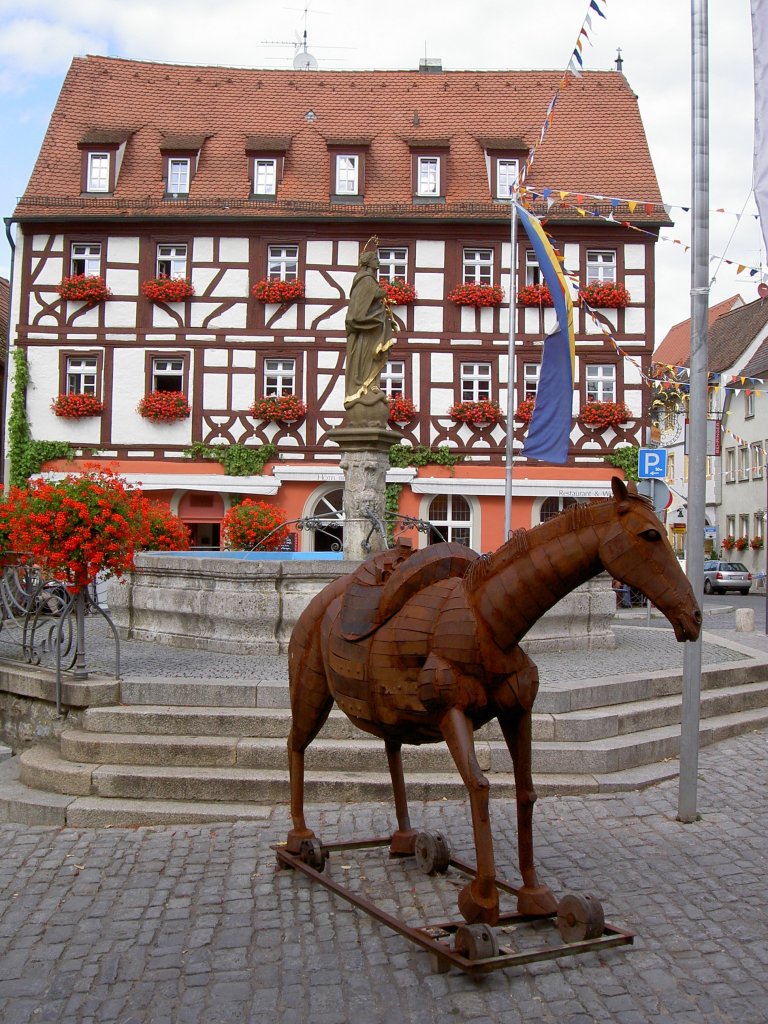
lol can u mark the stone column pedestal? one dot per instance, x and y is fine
(365, 463)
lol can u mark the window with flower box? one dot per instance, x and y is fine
(758, 526)
(533, 273)
(392, 380)
(168, 373)
(86, 258)
(82, 374)
(477, 266)
(283, 262)
(600, 382)
(475, 382)
(279, 377)
(393, 263)
(531, 372)
(601, 266)
(172, 260)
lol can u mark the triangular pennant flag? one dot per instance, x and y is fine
(632, 205)
(593, 6)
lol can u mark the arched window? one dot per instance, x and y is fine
(329, 507)
(452, 516)
(553, 507)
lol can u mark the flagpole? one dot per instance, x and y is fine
(697, 402)
(511, 368)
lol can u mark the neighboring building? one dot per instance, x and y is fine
(4, 307)
(736, 484)
(226, 177)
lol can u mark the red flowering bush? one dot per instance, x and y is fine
(287, 408)
(278, 291)
(605, 295)
(164, 406)
(534, 295)
(399, 292)
(88, 288)
(756, 543)
(167, 289)
(524, 411)
(605, 414)
(741, 544)
(476, 414)
(160, 529)
(401, 409)
(76, 528)
(729, 543)
(75, 407)
(477, 295)
(247, 525)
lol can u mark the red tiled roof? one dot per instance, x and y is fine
(758, 364)
(732, 333)
(231, 105)
(675, 349)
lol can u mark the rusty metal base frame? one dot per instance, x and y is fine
(434, 938)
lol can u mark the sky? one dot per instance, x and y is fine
(39, 38)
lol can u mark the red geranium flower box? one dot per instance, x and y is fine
(605, 414)
(167, 289)
(476, 295)
(476, 414)
(164, 406)
(605, 295)
(88, 288)
(401, 409)
(284, 408)
(278, 291)
(75, 407)
(534, 295)
(399, 292)
(524, 411)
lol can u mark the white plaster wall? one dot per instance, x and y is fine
(215, 357)
(246, 359)
(467, 319)
(122, 282)
(234, 283)
(85, 317)
(634, 321)
(214, 391)
(202, 250)
(243, 391)
(233, 250)
(320, 252)
(571, 252)
(441, 368)
(202, 277)
(428, 286)
(334, 322)
(51, 270)
(635, 286)
(162, 319)
(319, 287)
(612, 315)
(634, 400)
(123, 250)
(349, 253)
(428, 318)
(231, 318)
(430, 254)
(634, 257)
(632, 372)
(40, 242)
(119, 314)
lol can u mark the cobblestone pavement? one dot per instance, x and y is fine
(193, 924)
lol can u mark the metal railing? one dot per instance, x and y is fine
(42, 621)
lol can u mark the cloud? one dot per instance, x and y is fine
(35, 47)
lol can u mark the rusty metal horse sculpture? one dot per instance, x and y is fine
(421, 647)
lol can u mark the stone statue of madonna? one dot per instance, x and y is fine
(370, 328)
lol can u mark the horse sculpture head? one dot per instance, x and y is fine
(633, 548)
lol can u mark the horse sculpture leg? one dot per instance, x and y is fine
(533, 898)
(478, 901)
(404, 840)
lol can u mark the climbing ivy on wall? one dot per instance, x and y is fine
(25, 455)
(402, 455)
(625, 458)
(237, 459)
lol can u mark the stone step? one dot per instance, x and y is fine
(224, 788)
(185, 692)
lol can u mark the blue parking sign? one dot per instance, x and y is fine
(652, 463)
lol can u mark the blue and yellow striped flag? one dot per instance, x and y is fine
(549, 432)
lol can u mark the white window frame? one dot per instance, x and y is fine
(533, 273)
(98, 171)
(670, 467)
(455, 526)
(600, 382)
(179, 175)
(475, 382)
(172, 259)
(163, 368)
(757, 462)
(758, 525)
(85, 258)
(428, 176)
(393, 263)
(392, 380)
(531, 376)
(82, 374)
(744, 526)
(730, 465)
(749, 404)
(744, 462)
(283, 262)
(477, 266)
(507, 170)
(347, 174)
(601, 266)
(730, 526)
(279, 377)
(265, 176)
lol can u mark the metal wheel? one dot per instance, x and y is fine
(476, 942)
(707, 586)
(432, 853)
(313, 854)
(580, 917)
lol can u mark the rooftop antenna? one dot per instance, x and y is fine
(303, 60)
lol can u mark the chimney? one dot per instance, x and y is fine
(430, 65)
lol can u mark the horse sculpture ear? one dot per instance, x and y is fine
(619, 489)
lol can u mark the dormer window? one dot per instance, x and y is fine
(266, 163)
(428, 176)
(97, 178)
(347, 170)
(178, 175)
(347, 175)
(503, 158)
(103, 151)
(507, 170)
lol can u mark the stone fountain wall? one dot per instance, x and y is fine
(251, 607)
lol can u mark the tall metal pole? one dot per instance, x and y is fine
(511, 369)
(697, 413)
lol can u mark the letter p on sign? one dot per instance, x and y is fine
(652, 463)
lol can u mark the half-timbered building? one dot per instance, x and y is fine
(225, 178)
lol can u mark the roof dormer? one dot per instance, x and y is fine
(504, 159)
(347, 170)
(429, 168)
(181, 157)
(266, 163)
(103, 150)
